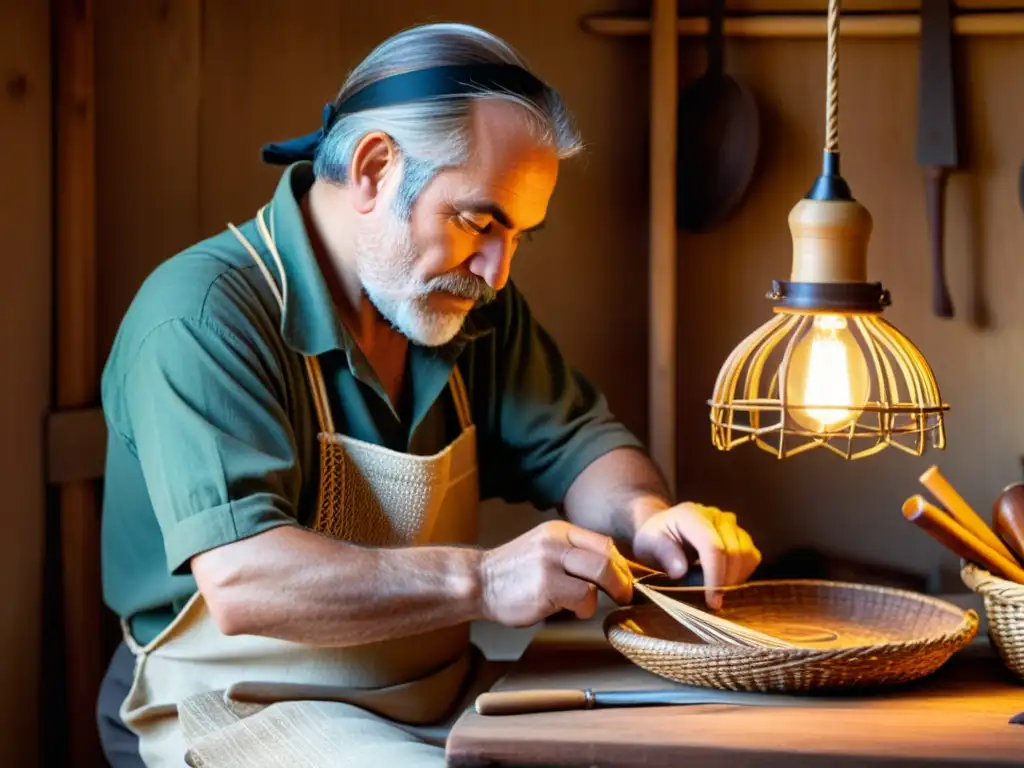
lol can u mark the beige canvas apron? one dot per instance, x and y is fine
(370, 496)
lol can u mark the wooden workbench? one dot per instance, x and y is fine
(957, 717)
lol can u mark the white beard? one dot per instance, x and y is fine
(385, 262)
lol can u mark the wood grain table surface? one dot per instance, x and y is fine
(957, 717)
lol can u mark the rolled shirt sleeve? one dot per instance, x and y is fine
(214, 442)
(549, 422)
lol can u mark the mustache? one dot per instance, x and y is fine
(464, 286)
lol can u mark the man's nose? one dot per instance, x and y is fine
(493, 260)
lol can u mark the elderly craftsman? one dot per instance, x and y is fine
(306, 409)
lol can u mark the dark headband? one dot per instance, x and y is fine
(418, 85)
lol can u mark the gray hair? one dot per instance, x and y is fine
(434, 134)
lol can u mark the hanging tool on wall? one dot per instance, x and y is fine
(937, 140)
(1020, 188)
(718, 138)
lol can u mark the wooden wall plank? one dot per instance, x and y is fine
(77, 364)
(266, 76)
(25, 327)
(663, 292)
(76, 445)
(148, 97)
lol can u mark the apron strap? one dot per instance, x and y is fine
(314, 373)
(460, 396)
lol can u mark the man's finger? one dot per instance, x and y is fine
(725, 523)
(587, 607)
(600, 570)
(598, 543)
(751, 555)
(572, 594)
(698, 528)
(669, 553)
(623, 567)
(581, 538)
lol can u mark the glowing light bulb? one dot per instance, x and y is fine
(827, 369)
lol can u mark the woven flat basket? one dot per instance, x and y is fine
(1004, 609)
(845, 636)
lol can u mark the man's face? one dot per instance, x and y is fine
(455, 252)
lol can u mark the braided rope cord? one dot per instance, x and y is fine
(832, 106)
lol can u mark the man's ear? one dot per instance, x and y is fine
(375, 157)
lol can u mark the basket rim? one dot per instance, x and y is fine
(968, 625)
(990, 586)
(614, 629)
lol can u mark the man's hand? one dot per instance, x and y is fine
(555, 566)
(673, 538)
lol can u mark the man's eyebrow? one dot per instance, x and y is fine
(490, 208)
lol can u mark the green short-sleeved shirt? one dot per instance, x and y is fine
(212, 434)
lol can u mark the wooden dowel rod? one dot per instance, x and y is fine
(957, 539)
(933, 479)
(664, 58)
(797, 26)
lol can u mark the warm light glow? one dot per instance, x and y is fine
(827, 368)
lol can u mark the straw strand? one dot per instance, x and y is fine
(707, 626)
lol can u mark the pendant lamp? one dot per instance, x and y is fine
(827, 371)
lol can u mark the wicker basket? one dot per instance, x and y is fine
(846, 636)
(1004, 609)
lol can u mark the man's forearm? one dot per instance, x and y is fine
(616, 493)
(293, 584)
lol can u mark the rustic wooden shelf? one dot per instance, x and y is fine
(812, 25)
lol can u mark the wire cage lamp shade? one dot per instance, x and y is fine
(765, 393)
(827, 371)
